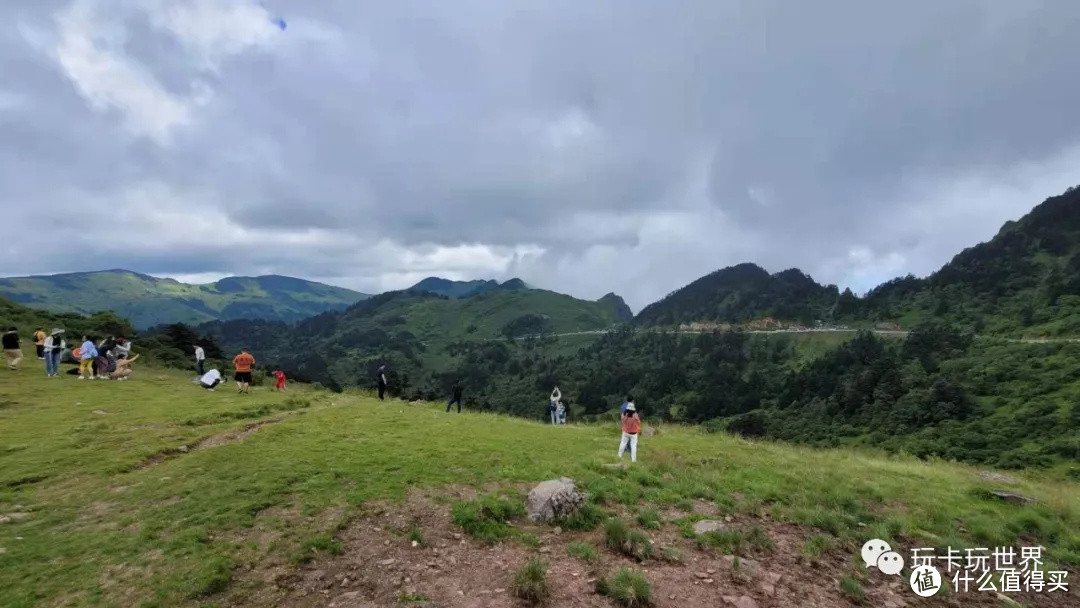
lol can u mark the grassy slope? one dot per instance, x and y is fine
(149, 301)
(102, 532)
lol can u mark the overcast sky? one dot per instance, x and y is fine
(608, 145)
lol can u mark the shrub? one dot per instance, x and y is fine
(530, 582)
(851, 587)
(729, 542)
(631, 543)
(587, 517)
(627, 588)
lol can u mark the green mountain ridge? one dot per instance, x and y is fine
(149, 301)
(465, 289)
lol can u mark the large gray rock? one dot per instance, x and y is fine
(554, 500)
(708, 525)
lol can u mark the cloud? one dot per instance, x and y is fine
(587, 147)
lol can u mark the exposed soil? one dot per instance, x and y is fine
(380, 567)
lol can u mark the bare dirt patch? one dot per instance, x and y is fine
(380, 566)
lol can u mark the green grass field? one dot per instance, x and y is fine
(102, 506)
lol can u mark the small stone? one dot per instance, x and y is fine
(345, 597)
(100, 412)
(408, 580)
(558, 530)
(745, 602)
(345, 582)
(575, 574)
(387, 543)
(768, 589)
(461, 593)
(727, 518)
(701, 575)
(709, 581)
(500, 590)
(457, 536)
(386, 562)
(710, 570)
(671, 597)
(1012, 497)
(415, 544)
(707, 525)
(545, 549)
(183, 449)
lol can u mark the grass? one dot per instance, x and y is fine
(583, 551)
(530, 582)
(852, 588)
(626, 588)
(631, 543)
(487, 518)
(119, 516)
(649, 518)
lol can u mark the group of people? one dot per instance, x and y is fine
(243, 364)
(103, 359)
(556, 409)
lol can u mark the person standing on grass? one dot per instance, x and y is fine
(12, 351)
(243, 363)
(455, 398)
(553, 405)
(380, 380)
(39, 342)
(211, 379)
(631, 426)
(200, 359)
(279, 380)
(87, 354)
(54, 346)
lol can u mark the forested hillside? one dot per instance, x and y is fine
(148, 301)
(1026, 280)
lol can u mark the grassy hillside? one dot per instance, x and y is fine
(149, 301)
(103, 506)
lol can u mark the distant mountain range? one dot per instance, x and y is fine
(147, 301)
(465, 289)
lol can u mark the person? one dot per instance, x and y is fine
(122, 350)
(122, 368)
(631, 426)
(39, 342)
(455, 398)
(12, 351)
(87, 354)
(380, 380)
(200, 359)
(560, 412)
(553, 405)
(211, 379)
(626, 404)
(243, 363)
(279, 380)
(54, 345)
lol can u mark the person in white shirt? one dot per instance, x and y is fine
(54, 345)
(200, 357)
(211, 379)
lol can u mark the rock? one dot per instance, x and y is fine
(554, 500)
(671, 597)
(710, 570)
(746, 571)
(557, 530)
(345, 597)
(183, 449)
(708, 525)
(729, 599)
(345, 582)
(701, 575)
(1012, 497)
(996, 477)
(745, 602)
(318, 574)
(457, 536)
(768, 589)
(101, 412)
(773, 577)
(648, 431)
(545, 549)
(16, 516)
(708, 581)
(386, 562)
(500, 590)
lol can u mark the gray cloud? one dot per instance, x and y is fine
(588, 147)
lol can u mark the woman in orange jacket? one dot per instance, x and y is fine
(631, 427)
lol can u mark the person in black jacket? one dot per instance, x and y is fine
(456, 398)
(380, 380)
(12, 351)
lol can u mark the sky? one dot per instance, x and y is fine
(585, 147)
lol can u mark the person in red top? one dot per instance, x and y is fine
(631, 426)
(279, 380)
(243, 363)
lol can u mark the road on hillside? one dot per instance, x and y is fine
(880, 332)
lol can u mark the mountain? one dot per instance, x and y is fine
(418, 332)
(464, 289)
(743, 293)
(1024, 280)
(149, 301)
(618, 306)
